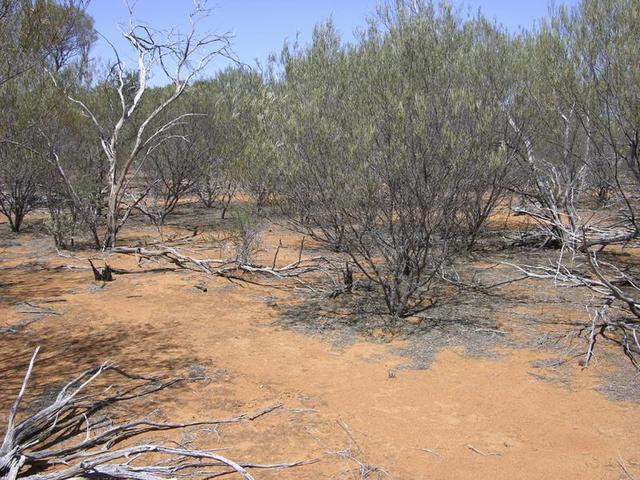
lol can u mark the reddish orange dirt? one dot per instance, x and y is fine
(462, 418)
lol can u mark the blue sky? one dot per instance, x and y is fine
(261, 26)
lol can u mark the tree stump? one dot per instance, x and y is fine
(347, 277)
(104, 275)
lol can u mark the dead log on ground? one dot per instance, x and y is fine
(221, 267)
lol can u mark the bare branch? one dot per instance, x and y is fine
(60, 435)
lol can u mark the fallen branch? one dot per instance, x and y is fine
(601, 325)
(623, 467)
(73, 431)
(221, 267)
(429, 450)
(353, 453)
(480, 452)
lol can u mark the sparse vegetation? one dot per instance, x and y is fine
(396, 181)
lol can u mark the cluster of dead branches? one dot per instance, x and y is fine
(617, 318)
(73, 436)
(220, 267)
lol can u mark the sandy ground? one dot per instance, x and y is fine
(465, 417)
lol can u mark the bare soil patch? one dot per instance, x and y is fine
(493, 382)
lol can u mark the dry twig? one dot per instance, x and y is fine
(480, 452)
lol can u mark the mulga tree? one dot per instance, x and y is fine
(255, 110)
(22, 166)
(41, 33)
(384, 138)
(22, 171)
(318, 133)
(403, 217)
(488, 75)
(35, 36)
(219, 134)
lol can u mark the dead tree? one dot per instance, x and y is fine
(552, 186)
(617, 317)
(73, 436)
(180, 59)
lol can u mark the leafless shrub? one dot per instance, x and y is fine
(169, 174)
(214, 187)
